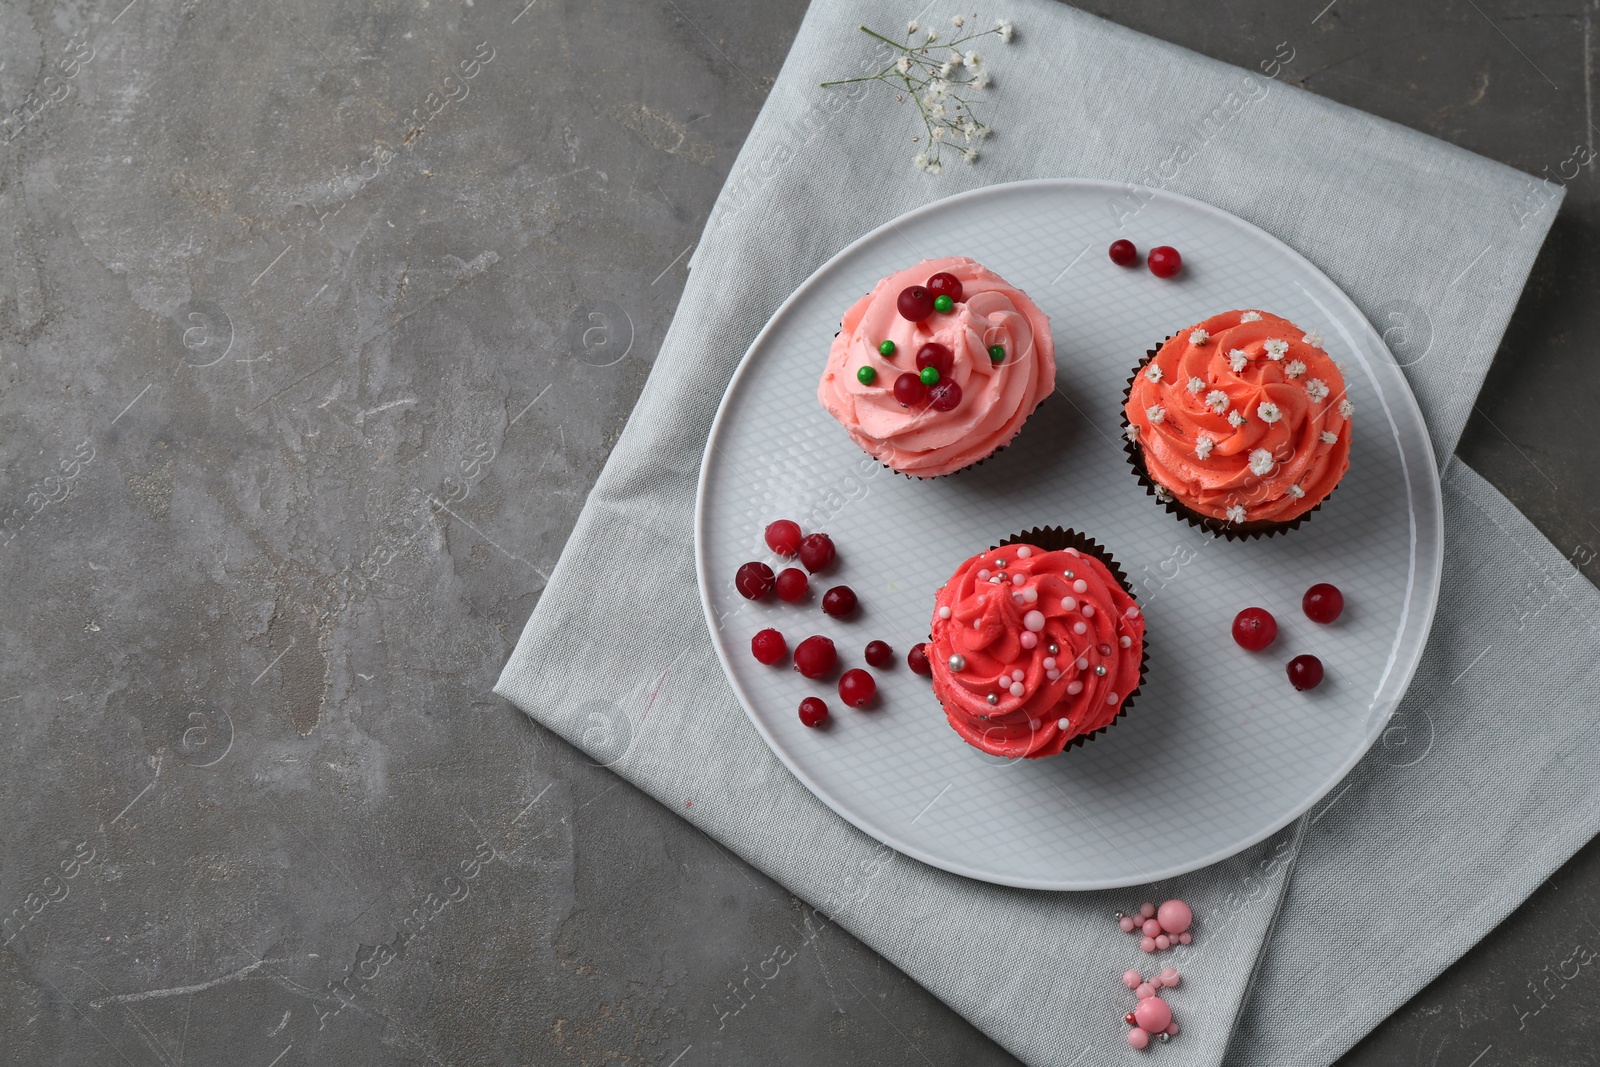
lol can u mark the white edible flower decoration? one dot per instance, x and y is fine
(936, 111)
(979, 80)
(1155, 413)
(969, 154)
(1296, 492)
(1196, 384)
(1261, 461)
(1238, 357)
(1317, 389)
(1268, 412)
(913, 26)
(1217, 401)
(1163, 494)
(1294, 368)
(1132, 432)
(920, 160)
(1203, 446)
(903, 64)
(958, 21)
(1004, 28)
(1329, 437)
(933, 34)
(1313, 339)
(1250, 316)
(1199, 337)
(1236, 513)
(1235, 419)
(1277, 349)
(973, 60)
(1346, 408)
(948, 67)
(1153, 372)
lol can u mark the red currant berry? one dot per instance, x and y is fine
(1305, 672)
(815, 657)
(1131, 1019)
(945, 284)
(1253, 628)
(915, 303)
(753, 581)
(946, 396)
(793, 585)
(769, 647)
(813, 712)
(1164, 261)
(783, 537)
(909, 390)
(879, 654)
(816, 552)
(1123, 253)
(1323, 603)
(840, 602)
(917, 660)
(933, 354)
(857, 688)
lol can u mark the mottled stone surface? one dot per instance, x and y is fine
(318, 322)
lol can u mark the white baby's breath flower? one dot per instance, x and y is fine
(937, 112)
(1276, 349)
(1217, 401)
(1346, 408)
(933, 34)
(1316, 389)
(1004, 28)
(980, 80)
(1238, 358)
(1163, 494)
(1313, 339)
(921, 160)
(903, 64)
(937, 88)
(1131, 432)
(1155, 413)
(970, 154)
(935, 167)
(958, 21)
(1294, 368)
(1199, 337)
(1329, 437)
(980, 131)
(938, 131)
(1235, 419)
(1236, 513)
(1250, 316)
(1261, 461)
(913, 26)
(1153, 372)
(1196, 384)
(1268, 412)
(973, 60)
(1296, 492)
(1203, 446)
(947, 68)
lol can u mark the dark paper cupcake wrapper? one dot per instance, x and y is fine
(1233, 531)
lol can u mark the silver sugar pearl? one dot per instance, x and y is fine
(958, 663)
(1100, 669)
(1055, 649)
(1120, 916)
(1000, 561)
(1164, 1037)
(993, 698)
(1069, 574)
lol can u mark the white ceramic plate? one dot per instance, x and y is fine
(1218, 751)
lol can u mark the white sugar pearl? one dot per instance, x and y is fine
(1088, 611)
(1018, 579)
(1074, 688)
(1016, 689)
(944, 613)
(1111, 698)
(1034, 620)
(1016, 598)
(1080, 628)
(1080, 586)
(1083, 663)
(1052, 675)
(1061, 724)
(1023, 552)
(1125, 641)
(1049, 663)
(983, 574)
(1068, 604)
(975, 623)
(996, 580)
(1033, 724)
(1132, 613)
(1028, 639)
(1029, 596)
(1017, 676)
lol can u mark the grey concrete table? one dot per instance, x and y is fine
(317, 324)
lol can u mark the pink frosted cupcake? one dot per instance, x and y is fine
(938, 367)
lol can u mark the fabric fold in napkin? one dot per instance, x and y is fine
(1432, 242)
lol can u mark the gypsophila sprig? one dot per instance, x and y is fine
(941, 78)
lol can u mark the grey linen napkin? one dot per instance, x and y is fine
(1433, 243)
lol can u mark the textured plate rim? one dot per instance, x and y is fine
(1428, 477)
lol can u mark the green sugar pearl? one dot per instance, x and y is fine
(886, 350)
(943, 304)
(866, 375)
(929, 375)
(997, 353)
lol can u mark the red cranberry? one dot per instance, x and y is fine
(934, 354)
(945, 284)
(815, 657)
(816, 551)
(1305, 672)
(813, 712)
(783, 537)
(945, 396)
(840, 601)
(917, 660)
(1123, 253)
(879, 654)
(909, 390)
(1253, 628)
(793, 585)
(769, 647)
(1323, 603)
(857, 688)
(1164, 261)
(915, 303)
(753, 581)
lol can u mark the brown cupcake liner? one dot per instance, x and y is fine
(1233, 531)
(1057, 539)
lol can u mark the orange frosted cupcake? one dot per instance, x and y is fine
(1036, 645)
(1239, 424)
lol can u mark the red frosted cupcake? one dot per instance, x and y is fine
(1239, 424)
(1037, 645)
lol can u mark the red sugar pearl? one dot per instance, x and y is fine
(1305, 672)
(945, 284)
(783, 537)
(815, 657)
(1123, 253)
(1253, 628)
(915, 303)
(879, 654)
(769, 647)
(1164, 261)
(1323, 603)
(817, 552)
(753, 580)
(793, 585)
(857, 688)
(917, 660)
(813, 712)
(840, 601)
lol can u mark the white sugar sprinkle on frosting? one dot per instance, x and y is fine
(1199, 337)
(1250, 316)
(1217, 401)
(1196, 384)
(1260, 461)
(1236, 419)
(1296, 492)
(1236, 513)
(1294, 368)
(1238, 357)
(1317, 389)
(1329, 437)
(1277, 349)
(1346, 408)
(1313, 339)
(1203, 446)
(1155, 412)
(1153, 372)
(1268, 412)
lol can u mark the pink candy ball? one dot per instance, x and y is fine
(1153, 1015)
(1138, 1038)
(1145, 991)
(1184, 938)
(1172, 1030)
(1148, 944)
(1163, 942)
(1170, 977)
(1127, 924)
(1132, 980)
(1175, 916)
(1147, 910)
(1152, 928)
